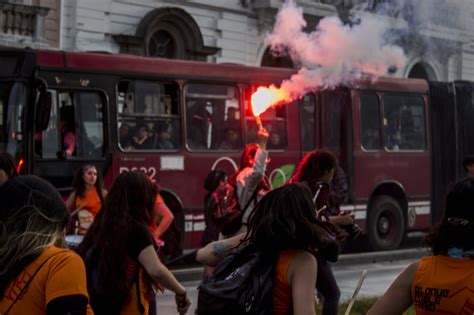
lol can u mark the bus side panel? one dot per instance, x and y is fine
(409, 170)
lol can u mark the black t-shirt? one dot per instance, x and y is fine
(139, 238)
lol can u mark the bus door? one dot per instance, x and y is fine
(73, 138)
(16, 71)
(337, 128)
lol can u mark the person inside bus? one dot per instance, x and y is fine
(231, 140)
(317, 171)
(38, 276)
(468, 164)
(196, 140)
(124, 135)
(67, 130)
(275, 143)
(444, 282)
(163, 136)
(7, 167)
(121, 236)
(141, 139)
(371, 139)
(87, 197)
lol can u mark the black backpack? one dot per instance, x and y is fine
(103, 300)
(241, 284)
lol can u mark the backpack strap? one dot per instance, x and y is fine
(253, 197)
(25, 287)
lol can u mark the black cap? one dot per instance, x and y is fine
(22, 194)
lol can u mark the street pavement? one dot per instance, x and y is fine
(379, 277)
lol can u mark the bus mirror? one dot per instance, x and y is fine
(43, 110)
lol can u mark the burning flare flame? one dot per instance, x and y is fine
(264, 98)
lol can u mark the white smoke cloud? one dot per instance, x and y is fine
(333, 53)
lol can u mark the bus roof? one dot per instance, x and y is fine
(132, 64)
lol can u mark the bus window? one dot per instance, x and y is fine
(335, 121)
(148, 115)
(75, 127)
(307, 114)
(273, 119)
(370, 122)
(212, 117)
(404, 122)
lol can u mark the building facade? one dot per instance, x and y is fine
(438, 40)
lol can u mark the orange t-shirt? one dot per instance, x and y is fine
(282, 295)
(90, 206)
(132, 308)
(62, 275)
(444, 285)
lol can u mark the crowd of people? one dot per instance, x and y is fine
(116, 269)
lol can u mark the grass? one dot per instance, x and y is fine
(360, 307)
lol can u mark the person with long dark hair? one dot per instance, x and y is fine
(36, 276)
(216, 178)
(7, 167)
(317, 170)
(282, 225)
(444, 282)
(121, 238)
(87, 197)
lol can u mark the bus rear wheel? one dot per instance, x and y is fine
(385, 225)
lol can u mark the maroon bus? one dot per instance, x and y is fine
(177, 120)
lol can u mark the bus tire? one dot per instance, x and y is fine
(385, 224)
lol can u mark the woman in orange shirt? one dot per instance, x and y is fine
(36, 276)
(121, 237)
(87, 198)
(442, 283)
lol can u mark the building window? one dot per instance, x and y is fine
(161, 44)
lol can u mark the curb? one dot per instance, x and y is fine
(378, 257)
(195, 273)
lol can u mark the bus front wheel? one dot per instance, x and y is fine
(385, 225)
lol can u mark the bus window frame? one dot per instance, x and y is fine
(240, 98)
(317, 122)
(381, 129)
(425, 122)
(105, 114)
(178, 117)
